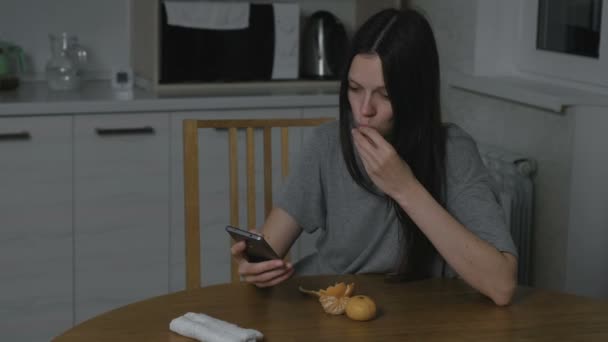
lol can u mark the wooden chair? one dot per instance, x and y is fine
(191, 182)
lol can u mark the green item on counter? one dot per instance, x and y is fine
(11, 59)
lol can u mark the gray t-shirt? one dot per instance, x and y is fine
(360, 231)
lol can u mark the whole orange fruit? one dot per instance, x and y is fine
(361, 308)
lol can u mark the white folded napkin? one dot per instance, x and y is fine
(208, 14)
(206, 328)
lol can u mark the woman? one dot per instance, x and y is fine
(392, 189)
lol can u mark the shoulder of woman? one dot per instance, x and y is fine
(458, 141)
(453, 132)
(462, 156)
(319, 140)
(330, 128)
(324, 134)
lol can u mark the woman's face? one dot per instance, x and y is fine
(367, 94)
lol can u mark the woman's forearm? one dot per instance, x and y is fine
(280, 230)
(480, 264)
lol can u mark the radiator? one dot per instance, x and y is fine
(512, 175)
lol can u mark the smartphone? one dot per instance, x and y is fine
(258, 249)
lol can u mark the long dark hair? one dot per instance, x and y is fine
(404, 42)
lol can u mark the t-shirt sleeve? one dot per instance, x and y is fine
(301, 195)
(470, 196)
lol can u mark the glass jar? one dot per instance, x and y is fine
(63, 71)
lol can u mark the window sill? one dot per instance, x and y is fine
(533, 93)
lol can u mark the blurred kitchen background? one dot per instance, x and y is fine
(528, 77)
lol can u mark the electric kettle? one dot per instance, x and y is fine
(11, 64)
(324, 45)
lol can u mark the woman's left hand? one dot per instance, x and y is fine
(387, 170)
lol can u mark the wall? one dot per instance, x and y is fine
(101, 26)
(587, 257)
(543, 135)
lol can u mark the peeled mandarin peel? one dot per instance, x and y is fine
(334, 298)
(337, 299)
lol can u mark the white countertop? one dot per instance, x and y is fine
(34, 98)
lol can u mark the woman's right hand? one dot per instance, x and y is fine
(260, 274)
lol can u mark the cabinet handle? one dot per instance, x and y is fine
(25, 135)
(124, 131)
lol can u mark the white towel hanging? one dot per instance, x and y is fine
(208, 14)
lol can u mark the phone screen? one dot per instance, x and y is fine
(257, 248)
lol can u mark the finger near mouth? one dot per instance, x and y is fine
(366, 137)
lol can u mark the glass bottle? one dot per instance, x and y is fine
(62, 70)
(78, 53)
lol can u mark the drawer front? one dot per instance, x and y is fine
(36, 227)
(121, 216)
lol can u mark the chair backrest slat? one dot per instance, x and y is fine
(191, 204)
(267, 171)
(191, 182)
(234, 186)
(285, 162)
(284, 152)
(251, 219)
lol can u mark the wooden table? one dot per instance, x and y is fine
(430, 310)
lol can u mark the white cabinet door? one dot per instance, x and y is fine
(213, 178)
(121, 210)
(35, 228)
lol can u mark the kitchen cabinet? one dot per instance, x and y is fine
(121, 210)
(146, 43)
(214, 200)
(91, 198)
(36, 242)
